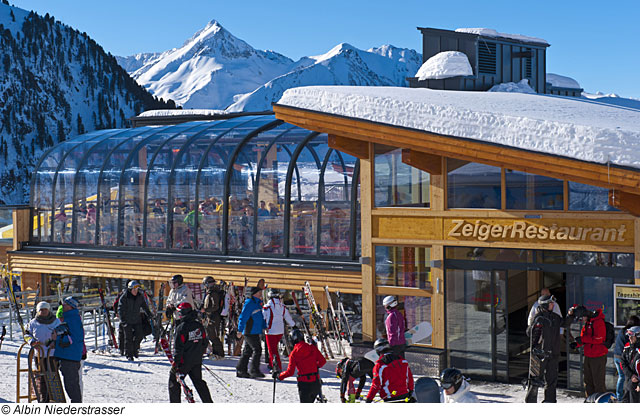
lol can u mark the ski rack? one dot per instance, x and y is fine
(334, 321)
(107, 318)
(343, 315)
(318, 320)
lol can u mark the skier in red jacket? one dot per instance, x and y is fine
(592, 339)
(392, 377)
(308, 360)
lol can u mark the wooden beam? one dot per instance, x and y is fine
(468, 149)
(423, 161)
(353, 147)
(625, 201)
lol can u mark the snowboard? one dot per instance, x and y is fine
(427, 390)
(416, 334)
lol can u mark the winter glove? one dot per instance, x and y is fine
(352, 398)
(579, 340)
(169, 312)
(573, 345)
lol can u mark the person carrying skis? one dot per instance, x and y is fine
(275, 315)
(395, 325)
(392, 377)
(348, 370)
(307, 359)
(592, 338)
(211, 308)
(545, 335)
(68, 348)
(630, 365)
(455, 387)
(129, 308)
(179, 293)
(40, 331)
(250, 325)
(189, 344)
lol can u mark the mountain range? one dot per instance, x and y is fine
(216, 70)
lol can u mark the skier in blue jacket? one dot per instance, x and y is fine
(69, 346)
(251, 324)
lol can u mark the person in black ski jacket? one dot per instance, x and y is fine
(212, 307)
(630, 366)
(348, 370)
(130, 306)
(621, 341)
(189, 345)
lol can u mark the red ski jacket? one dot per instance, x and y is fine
(593, 334)
(392, 377)
(307, 359)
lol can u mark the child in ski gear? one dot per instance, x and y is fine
(395, 325)
(392, 377)
(40, 331)
(630, 366)
(348, 370)
(275, 315)
(251, 324)
(69, 347)
(129, 308)
(212, 307)
(307, 359)
(545, 341)
(189, 345)
(592, 339)
(179, 293)
(621, 341)
(455, 387)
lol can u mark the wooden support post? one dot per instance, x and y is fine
(625, 201)
(353, 147)
(636, 258)
(21, 227)
(368, 276)
(438, 202)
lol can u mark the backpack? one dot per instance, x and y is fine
(610, 338)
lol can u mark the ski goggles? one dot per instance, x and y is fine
(446, 385)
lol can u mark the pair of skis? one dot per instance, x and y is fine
(12, 297)
(318, 321)
(164, 343)
(107, 317)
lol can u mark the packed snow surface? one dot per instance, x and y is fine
(561, 81)
(445, 65)
(570, 127)
(520, 87)
(492, 33)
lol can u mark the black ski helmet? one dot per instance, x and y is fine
(340, 367)
(382, 346)
(451, 377)
(296, 336)
(208, 281)
(177, 279)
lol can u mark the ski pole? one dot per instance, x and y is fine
(4, 332)
(275, 372)
(218, 379)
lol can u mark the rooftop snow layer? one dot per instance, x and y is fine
(563, 126)
(561, 81)
(181, 112)
(445, 65)
(492, 33)
(520, 87)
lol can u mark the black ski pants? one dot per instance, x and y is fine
(213, 334)
(309, 391)
(195, 375)
(132, 338)
(252, 349)
(549, 374)
(70, 371)
(595, 370)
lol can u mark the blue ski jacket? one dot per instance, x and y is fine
(251, 320)
(70, 336)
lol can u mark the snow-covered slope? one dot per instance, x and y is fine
(55, 83)
(216, 70)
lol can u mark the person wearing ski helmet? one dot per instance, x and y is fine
(621, 341)
(69, 347)
(179, 293)
(544, 333)
(392, 376)
(189, 344)
(211, 308)
(455, 387)
(275, 315)
(39, 332)
(592, 338)
(250, 325)
(307, 359)
(348, 370)
(630, 364)
(129, 308)
(395, 325)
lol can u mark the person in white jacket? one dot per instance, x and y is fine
(178, 294)
(40, 331)
(455, 387)
(275, 314)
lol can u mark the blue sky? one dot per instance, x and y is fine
(595, 42)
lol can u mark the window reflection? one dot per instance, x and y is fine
(403, 266)
(473, 185)
(583, 197)
(396, 183)
(526, 191)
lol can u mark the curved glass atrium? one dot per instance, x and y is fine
(244, 186)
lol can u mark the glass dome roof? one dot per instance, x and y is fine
(249, 185)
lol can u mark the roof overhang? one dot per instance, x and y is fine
(618, 178)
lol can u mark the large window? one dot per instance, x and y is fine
(583, 197)
(403, 266)
(397, 184)
(473, 185)
(533, 192)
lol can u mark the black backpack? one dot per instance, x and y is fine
(610, 338)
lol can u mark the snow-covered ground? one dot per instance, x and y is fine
(110, 378)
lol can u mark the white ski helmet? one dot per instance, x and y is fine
(389, 301)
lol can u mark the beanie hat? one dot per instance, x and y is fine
(255, 290)
(42, 305)
(71, 302)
